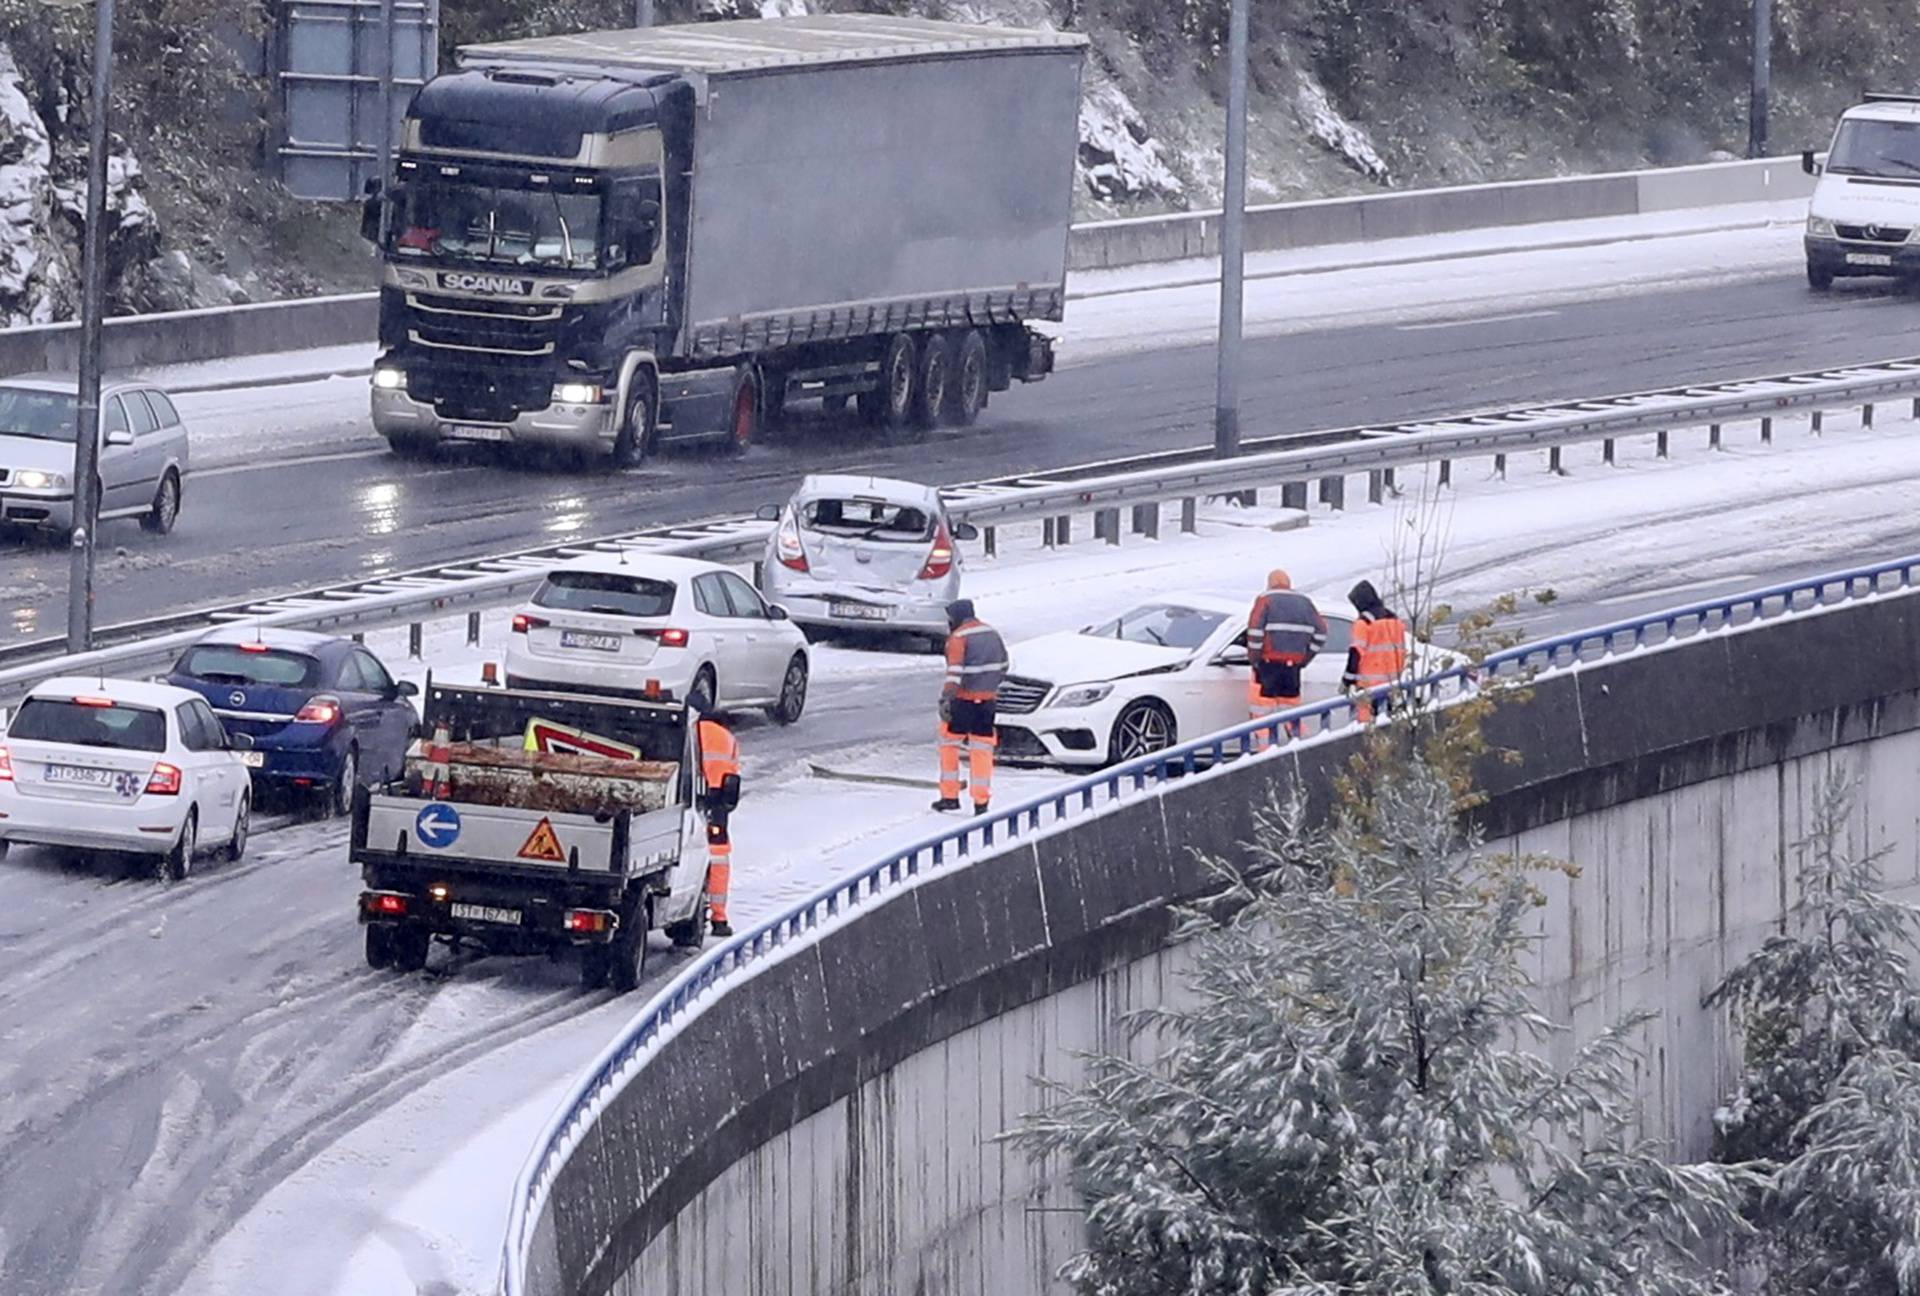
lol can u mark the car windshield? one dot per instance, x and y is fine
(1889, 150)
(867, 519)
(37, 415)
(121, 727)
(487, 225)
(606, 592)
(1164, 625)
(234, 664)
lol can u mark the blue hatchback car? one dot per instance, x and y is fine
(323, 713)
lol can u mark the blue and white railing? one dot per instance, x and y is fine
(685, 996)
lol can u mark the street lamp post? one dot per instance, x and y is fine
(1762, 78)
(86, 444)
(1226, 407)
(643, 13)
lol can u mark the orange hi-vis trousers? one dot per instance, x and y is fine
(719, 869)
(980, 751)
(1260, 704)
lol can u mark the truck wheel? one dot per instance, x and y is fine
(930, 386)
(407, 445)
(834, 406)
(692, 933)
(629, 948)
(891, 406)
(379, 946)
(1819, 278)
(635, 441)
(596, 964)
(967, 380)
(743, 425)
(410, 946)
(773, 404)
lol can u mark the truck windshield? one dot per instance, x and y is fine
(491, 225)
(1889, 150)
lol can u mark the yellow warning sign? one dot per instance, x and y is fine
(544, 844)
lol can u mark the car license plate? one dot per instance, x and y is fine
(1869, 259)
(477, 432)
(597, 642)
(487, 914)
(859, 611)
(79, 775)
(254, 760)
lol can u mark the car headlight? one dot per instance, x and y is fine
(1079, 695)
(578, 393)
(33, 480)
(389, 379)
(1819, 227)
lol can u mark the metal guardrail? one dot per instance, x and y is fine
(685, 995)
(1101, 488)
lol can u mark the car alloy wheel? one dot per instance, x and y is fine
(340, 801)
(1142, 729)
(793, 692)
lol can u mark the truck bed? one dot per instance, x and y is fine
(489, 775)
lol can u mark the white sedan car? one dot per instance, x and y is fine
(646, 626)
(126, 768)
(1162, 672)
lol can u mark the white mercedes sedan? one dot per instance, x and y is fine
(1162, 672)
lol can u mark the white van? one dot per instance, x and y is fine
(1865, 214)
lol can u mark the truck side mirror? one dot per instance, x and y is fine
(728, 795)
(1808, 163)
(370, 215)
(649, 227)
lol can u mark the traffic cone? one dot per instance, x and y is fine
(438, 774)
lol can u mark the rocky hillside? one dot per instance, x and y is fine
(1348, 95)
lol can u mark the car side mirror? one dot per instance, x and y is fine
(240, 742)
(965, 531)
(1234, 655)
(1808, 163)
(119, 437)
(767, 513)
(778, 613)
(406, 689)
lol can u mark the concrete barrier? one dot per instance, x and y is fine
(225, 332)
(829, 1126)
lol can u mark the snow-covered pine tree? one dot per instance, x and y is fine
(1830, 1088)
(1350, 1105)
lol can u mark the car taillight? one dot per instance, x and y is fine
(253, 648)
(164, 781)
(940, 558)
(787, 547)
(523, 623)
(673, 638)
(6, 766)
(320, 710)
(93, 702)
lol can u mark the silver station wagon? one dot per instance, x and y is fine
(143, 453)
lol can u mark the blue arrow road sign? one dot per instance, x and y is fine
(438, 825)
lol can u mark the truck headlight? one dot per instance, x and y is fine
(578, 393)
(385, 379)
(1079, 695)
(34, 480)
(1818, 227)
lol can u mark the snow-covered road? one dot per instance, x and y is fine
(208, 1073)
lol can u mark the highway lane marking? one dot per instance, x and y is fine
(1475, 321)
(228, 470)
(1743, 579)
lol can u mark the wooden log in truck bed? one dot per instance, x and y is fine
(500, 776)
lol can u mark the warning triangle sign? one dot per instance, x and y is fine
(544, 845)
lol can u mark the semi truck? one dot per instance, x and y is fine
(614, 240)
(497, 839)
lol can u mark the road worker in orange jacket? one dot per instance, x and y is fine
(976, 664)
(1284, 632)
(1378, 655)
(719, 759)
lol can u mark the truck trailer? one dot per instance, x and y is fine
(614, 240)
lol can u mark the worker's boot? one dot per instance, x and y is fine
(947, 803)
(721, 927)
(979, 807)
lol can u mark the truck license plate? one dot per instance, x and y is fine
(858, 611)
(1869, 259)
(597, 642)
(476, 432)
(487, 914)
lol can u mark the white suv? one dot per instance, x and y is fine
(647, 626)
(136, 769)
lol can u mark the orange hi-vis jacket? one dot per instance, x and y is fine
(719, 753)
(976, 662)
(1381, 643)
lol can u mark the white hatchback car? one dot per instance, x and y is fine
(1164, 671)
(645, 626)
(125, 768)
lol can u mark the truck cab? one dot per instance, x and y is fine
(526, 238)
(1864, 218)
